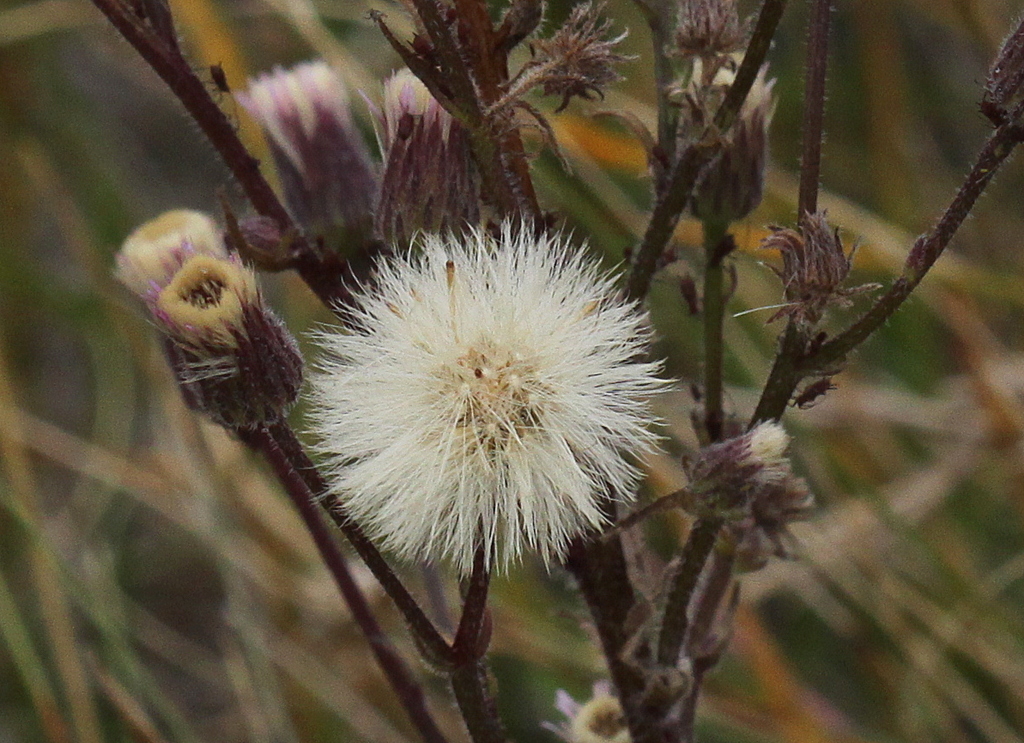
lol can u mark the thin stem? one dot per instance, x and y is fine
(928, 247)
(715, 250)
(470, 684)
(814, 106)
(716, 586)
(684, 172)
(430, 640)
(792, 364)
(408, 691)
(469, 678)
(783, 378)
(474, 608)
(676, 619)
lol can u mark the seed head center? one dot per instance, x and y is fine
(497, 405)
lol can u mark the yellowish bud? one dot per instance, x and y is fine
(154, 252)
(204, 302)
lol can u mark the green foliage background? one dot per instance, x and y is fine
(154, 585)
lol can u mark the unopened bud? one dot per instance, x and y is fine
(234, 359)
(321, 158)
(155, 251)
(733, 183)
(727, 476)
(1004, 88)
(429, 182)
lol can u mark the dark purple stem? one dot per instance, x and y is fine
(426, 635)
(408, 691)
(814, 106)
(470, 677)
(599, 566)
(474, 608)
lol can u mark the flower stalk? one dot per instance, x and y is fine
(409, 693)
(717, 245)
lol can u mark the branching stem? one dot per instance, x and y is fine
(323, 275)
(430, 640)
(684, 172)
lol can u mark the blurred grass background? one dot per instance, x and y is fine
(154, 585)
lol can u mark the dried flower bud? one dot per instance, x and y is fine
(151, 254)
(234, 359)
(814, 267)
(727, 476)
(732, 184)
(324, 165)
(430, 182)
(576, 61)
(708, 28)
(600, 720)
(1004, 88)
(748, 480)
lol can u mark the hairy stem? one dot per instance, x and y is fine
(599, 567)
(792, 364)
(409, 693)
(783, 378)
(814, 106)
(470, 677)
(676, 621)
(471, 686)
(718, 586)
(927, 248)
(474, 608)
(684, 172)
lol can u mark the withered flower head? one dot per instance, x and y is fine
(732, 184)
(764, 533)
(578, 59)
(429, 182)
(1004, 88)
(324, 165)
(814, 267)
(708, 28)
(726, 476)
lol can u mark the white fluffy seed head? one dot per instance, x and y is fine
(487, 398)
